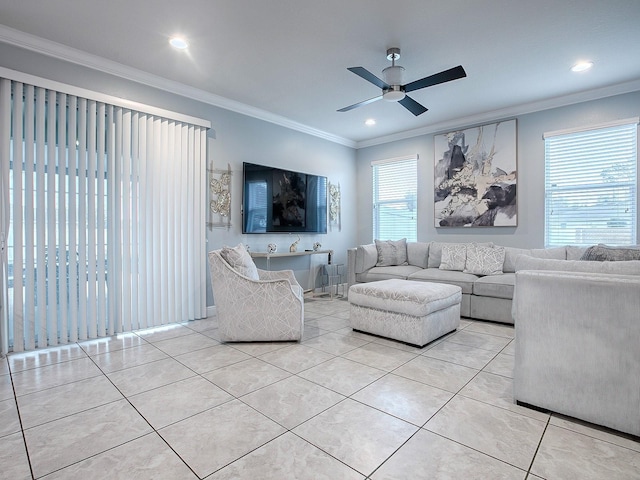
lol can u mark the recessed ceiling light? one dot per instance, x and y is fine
(179, 42)
(582, 66)
(370, 122)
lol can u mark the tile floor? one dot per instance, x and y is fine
(174, 403)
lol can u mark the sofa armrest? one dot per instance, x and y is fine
(351, 267)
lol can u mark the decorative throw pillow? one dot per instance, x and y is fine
(454, 256)
(391, 252)
(484, 260)
(604, 253)
(240, 260)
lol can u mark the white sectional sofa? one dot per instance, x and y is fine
(484, 297)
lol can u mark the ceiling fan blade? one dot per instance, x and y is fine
(413, 106)
(360, 104)
(368, 76)
(442, 77)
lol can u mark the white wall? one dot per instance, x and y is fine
(530, 230)
(235, 138)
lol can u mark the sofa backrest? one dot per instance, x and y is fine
(367, 255)
(525, 262)
(511, 253)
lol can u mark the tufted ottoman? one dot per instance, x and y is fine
(412, 312)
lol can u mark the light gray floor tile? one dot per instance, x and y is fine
(19, 362)
(427, 456)
(246, 376)
(498, 390)
(401, 346)
(13, 458)
(157, 334)
(437, 373)
(406, 399)
(9, 420)
(358, 435)
(288, 456)
(292, 401)
(311, 331)
(329, 323)
(461, 354)
(502, 364)
(595, 431)
(174, 402)
(256, 349)
(57, 402)
(342, 375)
(296, 358)
(29, 381)
(6, 387)
(185, 343)
(214, 438)
(149, 376)
(129, 357)
(567, 454)
(500, 330)
(210, 358)
(4, 366)
(479, 340)
(334, 343)
(111, 344)
(510, 349)
(143, 458)
(507, 436)
(57, 444)
(379, 356)
(202, 324)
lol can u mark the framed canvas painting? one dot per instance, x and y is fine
(475, 182)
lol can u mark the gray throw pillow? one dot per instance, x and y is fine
(240, 260)
(391, 253)
(604, 253)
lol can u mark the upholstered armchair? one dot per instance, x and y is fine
(255, 305)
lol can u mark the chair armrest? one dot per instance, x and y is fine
(278, 275)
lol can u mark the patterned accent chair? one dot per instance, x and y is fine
(268, 309)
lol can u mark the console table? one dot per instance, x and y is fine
(269, 256)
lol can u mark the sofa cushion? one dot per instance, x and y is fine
(605, 253)
(435, 252)
(391, 252)
(454, 257)
(366, 257)
(496, 286)
(556, 253)
(418, 254)
(484, 260)
(240, 260)
(510, 255)
(463, 280)
(630, 267)
(384, 273)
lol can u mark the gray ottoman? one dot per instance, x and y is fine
(412, 312)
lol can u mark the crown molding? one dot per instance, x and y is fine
(69, 54)
(514, 111)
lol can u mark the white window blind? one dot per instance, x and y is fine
(591, 185)
(395, 189)
(106, 229)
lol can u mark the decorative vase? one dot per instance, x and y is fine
(272, 248)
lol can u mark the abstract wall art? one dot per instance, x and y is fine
(475, 182)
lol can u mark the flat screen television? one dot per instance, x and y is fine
(282, 201)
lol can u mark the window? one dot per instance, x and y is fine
(590, 185)
(394, 198)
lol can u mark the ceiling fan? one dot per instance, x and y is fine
(392, 88)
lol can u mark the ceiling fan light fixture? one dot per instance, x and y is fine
(393, 75)
(394, 94)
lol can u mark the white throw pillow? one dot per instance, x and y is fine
(391, 252)
(240, 260)
(454, 256)
(484, 260)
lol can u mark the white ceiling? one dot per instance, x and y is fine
(288, 58)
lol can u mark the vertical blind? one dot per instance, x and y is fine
(104, 220)
(591, 185)
(395, 189)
